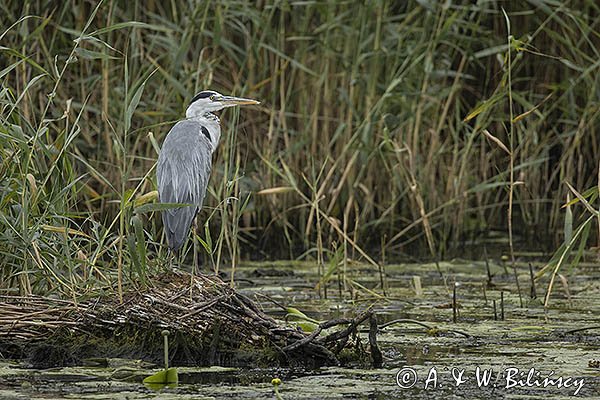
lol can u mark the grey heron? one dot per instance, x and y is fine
(184, 162)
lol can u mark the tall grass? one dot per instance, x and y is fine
(381, 127)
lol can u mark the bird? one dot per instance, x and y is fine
(184, 162)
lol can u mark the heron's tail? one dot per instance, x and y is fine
(177, 225)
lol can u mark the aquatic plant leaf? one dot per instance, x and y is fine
(307, 326)
(163, 377)
(297, 315)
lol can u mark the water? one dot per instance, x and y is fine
(448, 359)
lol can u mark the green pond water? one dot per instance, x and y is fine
(530, 348)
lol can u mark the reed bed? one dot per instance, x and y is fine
(387, 130)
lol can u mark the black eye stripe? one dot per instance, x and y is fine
(202, 95)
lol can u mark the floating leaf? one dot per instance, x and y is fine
(163, 377)
(307, 326)
(297, 315)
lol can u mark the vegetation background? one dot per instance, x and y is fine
(387, 130)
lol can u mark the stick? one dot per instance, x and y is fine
(376, 355)
(533, 293)
(454, 310)
(502, 306)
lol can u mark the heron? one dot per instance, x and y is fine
(184, 163)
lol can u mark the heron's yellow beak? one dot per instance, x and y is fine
(236, 101)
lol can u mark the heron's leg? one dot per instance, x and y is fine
(171, 256)
(194, 234)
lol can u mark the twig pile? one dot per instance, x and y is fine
(211, 322)
(35, 317)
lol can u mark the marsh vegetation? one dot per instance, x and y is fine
(387, 132)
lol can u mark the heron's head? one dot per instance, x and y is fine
(208, 101)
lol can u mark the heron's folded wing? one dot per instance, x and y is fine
(182, 173)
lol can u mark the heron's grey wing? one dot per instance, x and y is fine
(182, 173)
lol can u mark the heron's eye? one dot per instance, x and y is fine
(213, 97)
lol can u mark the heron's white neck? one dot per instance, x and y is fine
(207, 120)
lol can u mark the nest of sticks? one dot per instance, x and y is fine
(210, 324)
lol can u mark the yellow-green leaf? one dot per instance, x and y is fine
(163, 377)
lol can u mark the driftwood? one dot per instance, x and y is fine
(210, 324)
